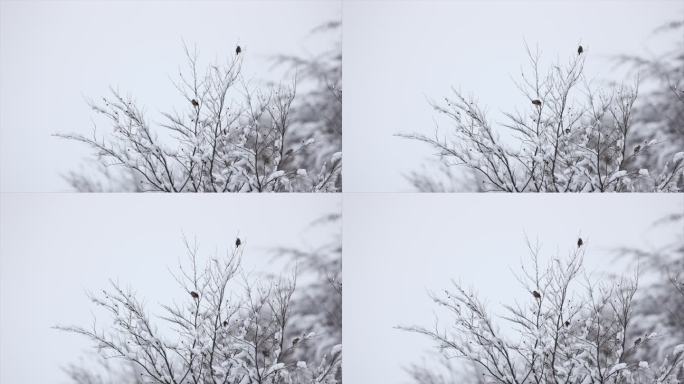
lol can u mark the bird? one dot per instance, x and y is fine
(238, 50)
(637, 341)
(567, 323)
(225, 323)
(536, 295)
(537, 102)
(194, 295)
(637, 148)
(237, 242)
(295, 341)
(580, 50)
(287, 357)
(194, 103)
(579, 242)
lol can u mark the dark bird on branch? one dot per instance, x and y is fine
(536, 102)
(194, 295)
(579, 242)
(567, 323)
(580, 50)
(194, 103)
(637, 148)
(238, 50)
(536, 295)
(637, 341)
(238, 242)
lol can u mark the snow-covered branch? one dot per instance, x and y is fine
(572, 137)
(223, 330)
(571, 329)
(228, 136)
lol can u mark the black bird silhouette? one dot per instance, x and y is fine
(580, 50)
(536, 102)
(536, 295)
(238, 242)
(637, 341)
(637, 148)
(579, 242)
(238, 50)
(194, 103)
(567, 323)
(194, 295)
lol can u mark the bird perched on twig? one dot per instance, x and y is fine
(237, 242)
(194, 295)
(579, 242)
(580, 50)
(536, 295)
(194, 103)
(537, 102)
(238, 50)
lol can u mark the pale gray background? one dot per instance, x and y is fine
(399, 54)
(398, 247)
(56, 54)
(55, 247)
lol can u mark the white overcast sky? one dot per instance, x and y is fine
(55, 247)
(54, 55)
(397, 247)
(399, 54)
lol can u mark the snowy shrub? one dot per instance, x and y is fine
(571, 329)
(659, 306)
(319, 111)
(227, 136)
(222, 330)
(103, 371)
(572, 137)
(661, 113)
(437, 368)
(318, 307)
